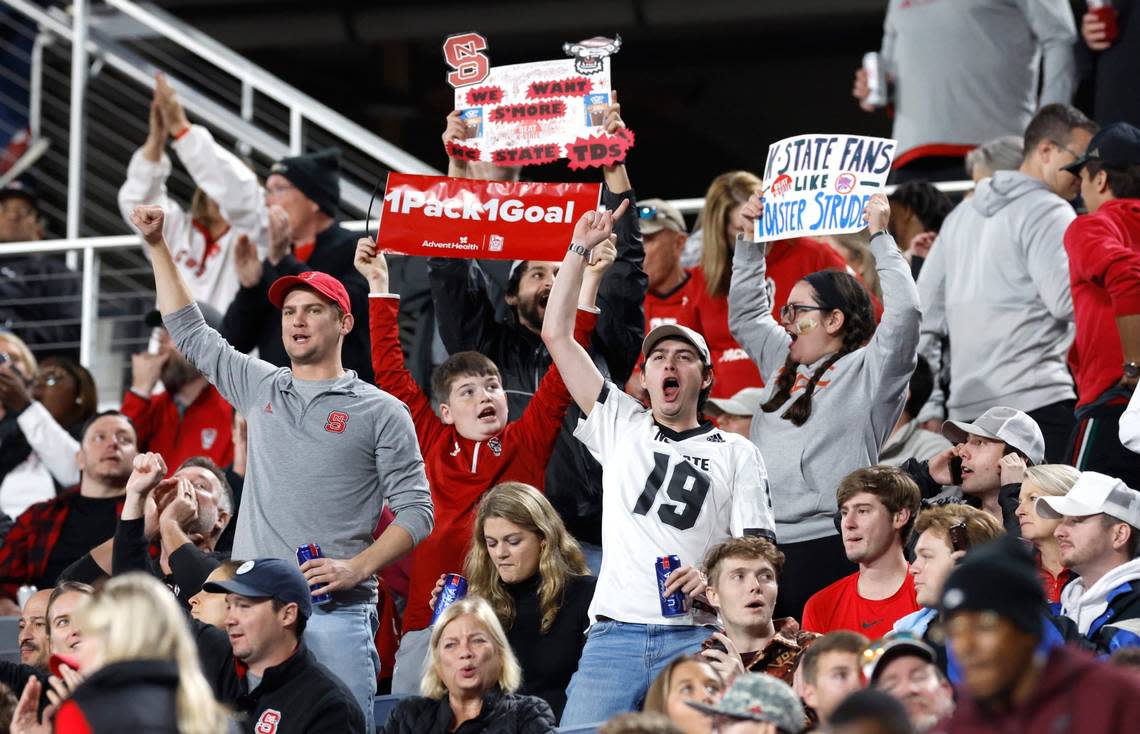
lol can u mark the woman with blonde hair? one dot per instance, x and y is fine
(687, 678)
(470, 681)
(1046, 480)
(532, 573)
(719, 224)
(139, 666)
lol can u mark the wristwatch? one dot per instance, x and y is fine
(575, 247)
(1131, 370)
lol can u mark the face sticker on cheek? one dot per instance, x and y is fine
(806, 325)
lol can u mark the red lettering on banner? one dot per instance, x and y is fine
(456, 149)
(458, 217)
(526, 112)
(599, 150)
(578, 86)
(484, 95)
(463, 52)
(527, 155)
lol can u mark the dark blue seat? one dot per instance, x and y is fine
(382, 708)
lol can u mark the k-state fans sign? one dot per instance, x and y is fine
(461, 217)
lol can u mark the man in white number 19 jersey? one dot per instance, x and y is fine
(673, 485)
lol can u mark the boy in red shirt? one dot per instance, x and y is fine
(877, 508)
(469, 447)
(1104, 274)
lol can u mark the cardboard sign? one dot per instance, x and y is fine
(460, 217)
(527, 114)
(818, 184)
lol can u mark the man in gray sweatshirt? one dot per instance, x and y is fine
(967, 71)
(325, 451)
(997, 283)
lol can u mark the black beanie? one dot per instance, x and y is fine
(316, 175)
(1000, 577)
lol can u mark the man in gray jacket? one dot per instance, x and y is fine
(325, 451)
(997, 283)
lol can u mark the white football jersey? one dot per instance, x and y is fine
(665, 493)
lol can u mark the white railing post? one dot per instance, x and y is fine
(36, 84)
(296, 146)
(243, 146)
(75, 161)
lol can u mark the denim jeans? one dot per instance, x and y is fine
(343, 639)
(593, 554)
(619, 662)
(411, 658)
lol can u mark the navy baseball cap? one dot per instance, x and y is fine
(1117, 145)
(21, 189)
(270, 578)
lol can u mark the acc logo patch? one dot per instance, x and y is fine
(244, 568)
(495, 445)
(209, 435)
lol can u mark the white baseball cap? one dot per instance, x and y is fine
(745, 402)
(1010, 425)
(1093, 494)
(676, 331)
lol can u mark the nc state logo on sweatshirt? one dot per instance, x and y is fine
(268, 721)
(336, 422)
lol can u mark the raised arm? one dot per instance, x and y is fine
(749, 308)
(934, 328)
(147, 173)
(1055, 31)
(893, 350)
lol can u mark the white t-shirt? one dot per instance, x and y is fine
(665, 493)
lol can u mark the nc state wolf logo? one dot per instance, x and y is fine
(588, 54)
(268, 721)
(336, 422)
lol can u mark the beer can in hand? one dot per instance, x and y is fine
(454, 589)
(673, 605)
(876, 80)
(311, 552)
(1106, 14)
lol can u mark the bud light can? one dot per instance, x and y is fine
(454, 589)
(876, 80)
(673, 605)
(311, 552)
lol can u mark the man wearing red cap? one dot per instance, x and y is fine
(326, 450)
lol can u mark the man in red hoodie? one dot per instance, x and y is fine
(1104, 270)
(469, 447)
(994, 612)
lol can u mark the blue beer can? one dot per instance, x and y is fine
(673, 605)
(311, 552)
(454, 589)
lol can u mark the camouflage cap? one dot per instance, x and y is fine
(760, 697)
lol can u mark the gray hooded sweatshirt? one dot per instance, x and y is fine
(854, 407)
(997, 283)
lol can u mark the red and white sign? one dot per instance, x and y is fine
(461, 217)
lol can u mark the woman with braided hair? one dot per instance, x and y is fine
(840, 386)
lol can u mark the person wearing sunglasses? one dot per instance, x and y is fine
(839, 387)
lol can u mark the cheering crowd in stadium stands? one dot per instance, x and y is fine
(893, 474)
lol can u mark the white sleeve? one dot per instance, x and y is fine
(1130, 424)
(612, 416)
(55, 446)
(146, 184)
(226, 180)
(751, 498)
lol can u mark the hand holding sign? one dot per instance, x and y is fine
(372, 265)
(876, 213)
(594, 227)
(753, 209)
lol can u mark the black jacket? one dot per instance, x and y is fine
(465, 315)
(300, 696)
(39, 301)
(503, 713)
(252, 321)
(16, 675)
(919, 471)
(131, 696)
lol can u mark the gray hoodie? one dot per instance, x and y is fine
(997, 283)
(854, 407)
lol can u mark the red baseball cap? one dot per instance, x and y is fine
(322, 283)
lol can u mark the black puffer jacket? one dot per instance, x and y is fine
(503, 713)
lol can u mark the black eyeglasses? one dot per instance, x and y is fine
(789, 311)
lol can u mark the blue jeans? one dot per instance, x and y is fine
(343, 639)
(619, 662)
(411, 661)
(593, 554)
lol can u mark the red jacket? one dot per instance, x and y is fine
(205, 429)
(459, 470)
(788, 262)
(670, 308)
(1104, 275)
(1075, 695)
